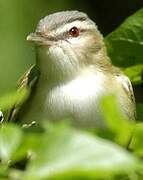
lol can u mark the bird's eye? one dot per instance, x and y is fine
(74, 32)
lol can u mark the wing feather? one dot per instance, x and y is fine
(127, 86)
(28, 80)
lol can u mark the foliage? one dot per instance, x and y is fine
(125, 46)
(58, 151)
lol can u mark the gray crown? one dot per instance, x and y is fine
(60, 18)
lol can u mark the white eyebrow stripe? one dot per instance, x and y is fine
(68, 26)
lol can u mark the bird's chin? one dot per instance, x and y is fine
(50, 53)
(46, 44)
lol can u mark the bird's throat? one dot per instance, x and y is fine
(55, 65)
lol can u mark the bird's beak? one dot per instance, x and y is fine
(33, 37)
(38, 39)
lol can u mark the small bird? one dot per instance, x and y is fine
(72, 74)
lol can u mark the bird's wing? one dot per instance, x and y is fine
(28, 80)
(127, 86)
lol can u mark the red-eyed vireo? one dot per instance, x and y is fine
(72, 73)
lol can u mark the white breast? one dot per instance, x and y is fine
(79, 99)
(82, 88)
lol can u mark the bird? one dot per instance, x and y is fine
(72, 73)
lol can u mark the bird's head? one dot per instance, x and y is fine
(67, 40)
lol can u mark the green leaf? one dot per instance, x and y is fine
(66, 153)
(125, 44)
(116, 121)
(9, 100)
(27, 146)
(137, 140)
(3, 172)
(10, 139)
(134, 73)
(140, 111)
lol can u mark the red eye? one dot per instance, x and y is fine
(74, 32)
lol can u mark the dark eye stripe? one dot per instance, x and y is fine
(64, 35)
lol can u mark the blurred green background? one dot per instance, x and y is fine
(19, 17)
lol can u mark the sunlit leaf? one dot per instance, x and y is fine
(3, 172)
(10, 139)
(135, 73)
(27, 146)
(116, 121)
(73, 154)
(137, 140)
(8, 100)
